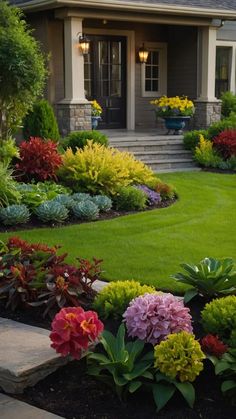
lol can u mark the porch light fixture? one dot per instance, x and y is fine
(84, 43)
(143, 54)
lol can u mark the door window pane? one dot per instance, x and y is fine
(223, 68)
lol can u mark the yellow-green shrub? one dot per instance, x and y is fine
(113, 300)
(99, 169)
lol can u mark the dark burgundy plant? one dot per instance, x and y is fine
(225, 144)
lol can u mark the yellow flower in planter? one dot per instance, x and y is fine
(173, 106)
(96, 108)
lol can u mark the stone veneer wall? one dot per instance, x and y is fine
(206, 113)
(73, 117)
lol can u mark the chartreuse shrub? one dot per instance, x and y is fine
(219, 318)
(51, 211)
(79, 139)
(115, 297)
(41, 122)
(178, 361)
(103, 202)
(8, 151)
(14, 214)
(130, 198)
(206, 155)
(101, 170)
(192, 138)
(86, 210)
(8, 187)
(210, 278)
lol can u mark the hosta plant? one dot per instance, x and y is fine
(121, 365)
(178, 361)
(152, 317)
(51, 211)
(115, 297)
(225, 368)
(14, 214)
(86, 210)
(74, 331)
(103, 202)
(219, 318)
(209, 278)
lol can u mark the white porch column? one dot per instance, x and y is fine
(74, 61)
(208, 64)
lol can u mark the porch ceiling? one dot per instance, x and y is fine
(224, 9)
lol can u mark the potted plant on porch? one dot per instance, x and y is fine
(175, 111)
(96, 112)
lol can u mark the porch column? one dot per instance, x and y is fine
(208, 108)
(74, 111)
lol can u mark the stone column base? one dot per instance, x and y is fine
(206, 113)
(73, 117)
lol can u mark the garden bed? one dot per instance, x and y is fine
(73, 394)
(36, 223)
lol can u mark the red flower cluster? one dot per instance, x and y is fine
(39, 159)
(212, 345)
(74, 330)
(225, 143)
(17, 243)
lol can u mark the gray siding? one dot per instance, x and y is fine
(227, 32)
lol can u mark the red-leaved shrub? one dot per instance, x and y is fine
(225, 144)
(212, 345)
(39, 159)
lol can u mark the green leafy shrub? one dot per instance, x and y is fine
(52, 189)
(8, 151)
(102, 170)
(79, 139)
(86, 210)
(41, 122)
(223, 125)
(80, 197)
(65, 200)
(192, 138)
(205, 154)
(229, 164)
(14, 214)
(103, 202)
(226, 369)
(8, 187)
(34, 194)
(50, 211)
(114, 298)
(228, 103)
(123, 366)
(130, 199)
(219, 318)
(210, 278)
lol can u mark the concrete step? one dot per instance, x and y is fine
(14, 409)
(182, 169)
(162, 154)
(157, 165)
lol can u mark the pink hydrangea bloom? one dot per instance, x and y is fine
(74, 330)
(152, 317)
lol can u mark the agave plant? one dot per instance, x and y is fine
(51, 211)
(14, 214)
(81, 196)
(210, 278)
(86, 210)
(65, 200)
(103, 202)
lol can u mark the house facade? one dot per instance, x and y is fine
(191, 51)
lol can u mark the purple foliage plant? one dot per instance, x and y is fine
(152, 196)
(152, 317)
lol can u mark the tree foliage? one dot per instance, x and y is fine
(22, 68)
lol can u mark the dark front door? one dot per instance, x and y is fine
(105, 79)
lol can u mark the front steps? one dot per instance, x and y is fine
(163, 153)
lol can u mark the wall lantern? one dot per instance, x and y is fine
(143, 54)
(84, 43)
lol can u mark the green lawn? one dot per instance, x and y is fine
(149, 246)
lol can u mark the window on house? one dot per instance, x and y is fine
(88, 76)
(153, 72)
(223, 70)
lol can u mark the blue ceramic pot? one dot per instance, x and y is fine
(94, 121)
(175, 123)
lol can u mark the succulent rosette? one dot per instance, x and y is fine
(152, 317)
(75, 330)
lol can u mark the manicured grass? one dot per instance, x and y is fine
(149, 246)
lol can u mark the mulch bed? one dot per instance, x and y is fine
(35, 223)
(71, 393)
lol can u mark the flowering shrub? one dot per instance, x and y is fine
(152, 196)
(115, 297)
(212, 345)
(96, 108)
(173, 106)
(225, 144)
(39, 159)
(152, 317)
(101, 170)
(75, 330)
(179, 357)
(34, 274)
